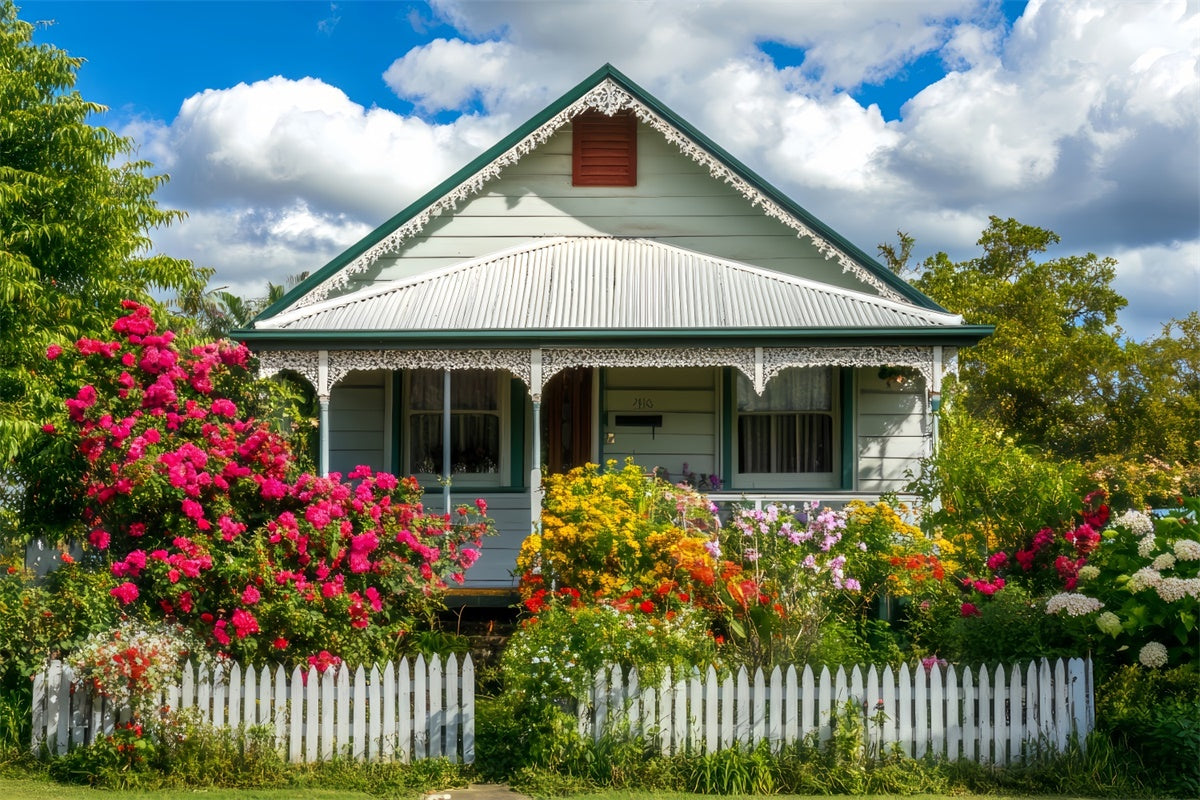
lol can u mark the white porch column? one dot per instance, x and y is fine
(935, 397)
(446, 438)
(535, 460)
(323, 419)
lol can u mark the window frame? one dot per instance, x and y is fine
(839, 413)
(502, 477)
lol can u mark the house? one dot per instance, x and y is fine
(606, 282)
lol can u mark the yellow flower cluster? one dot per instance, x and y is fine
(613, 530)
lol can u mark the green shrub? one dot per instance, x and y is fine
(1155, 716)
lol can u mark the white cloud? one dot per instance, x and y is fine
(1084, 118)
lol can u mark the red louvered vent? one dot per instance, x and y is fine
(604, 150)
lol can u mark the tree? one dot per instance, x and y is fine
(75, 213)
(1047, 374)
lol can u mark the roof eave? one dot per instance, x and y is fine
(274, 339)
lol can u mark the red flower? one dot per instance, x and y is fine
(647, 607)
(280, 643)
(969, 610)
(126, 593)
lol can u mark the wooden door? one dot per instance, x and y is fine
(567, 420)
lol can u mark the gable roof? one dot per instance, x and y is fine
(609, 91)
(603, 284)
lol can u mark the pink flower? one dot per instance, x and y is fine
(223, 407)
(969, 610)
(244, 623)
(99, 539)
(126, 593)
(251, 595)
(997, 560)
(220, 633)
(48, 428)
(481, 504)
(53, 352)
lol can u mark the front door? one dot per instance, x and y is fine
(567, 420)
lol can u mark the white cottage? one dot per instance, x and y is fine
(607, 282)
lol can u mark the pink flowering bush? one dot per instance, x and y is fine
(202, 514)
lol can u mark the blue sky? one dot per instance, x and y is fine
(290, 129)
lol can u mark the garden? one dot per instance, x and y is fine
(173, 490)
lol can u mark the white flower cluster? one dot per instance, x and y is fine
(1163, 561)
(1135, 522)
(1146, 546)
(1153, 655)
(1076, 605)
(1088, 573)
(1172, 589)
(1187, 550)
(1144, 578)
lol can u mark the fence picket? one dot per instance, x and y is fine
(296, 715)
(375, 715)
(985, 718)
(904, 732)
(1000, 717)
(890, 708)
(711, 709)
(329, 700)
(468, 733)
(742, 708)
(407, 710)
(420, 709)
(970, 729)
(825, 702)
(218, 696)
(679, 714)
(695, 712)
(937, 705)
(807, 702)
(727, 713)
(387, 744)
(234, 693)
(450, 727)
(187, 691)
(1078, 686)
(758, 707)
(1026, 720)
(921, 710)
(250, 699)
(601, 696)
(790, 713)
(312, 709)
(664, 712)
(203, 692)
(358, 709)
(1060, 702)
(1044, 732)
(953, 715)
(775, 710)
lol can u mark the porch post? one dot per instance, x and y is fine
(535, 460)
(446, 438)
(323, 418)
(935, 397)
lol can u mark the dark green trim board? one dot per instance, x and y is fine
(959, 336)
(516, 438)
(606, 72)
(397, 421)
(602, 411)
(849, 407)
(728, 405)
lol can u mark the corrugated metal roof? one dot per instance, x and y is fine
(603, 283)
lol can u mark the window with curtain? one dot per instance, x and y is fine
(475, 423)
(790, 429)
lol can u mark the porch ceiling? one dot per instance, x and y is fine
(602, 284)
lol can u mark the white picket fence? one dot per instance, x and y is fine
(993, 716)
(399, 712)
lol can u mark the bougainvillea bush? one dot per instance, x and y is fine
(200, 513)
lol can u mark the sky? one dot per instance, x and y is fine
(290, 130)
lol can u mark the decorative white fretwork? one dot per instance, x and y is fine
(608, 98)
(342, 362)
(777, 359)
(305, 363)
(555, 361)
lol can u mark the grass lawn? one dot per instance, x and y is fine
(32, 789)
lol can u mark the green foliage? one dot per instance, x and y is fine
(737, 771)
(1154, 715)
(1012, 626)
(983, 492)
(1058, 374)
(75, 214)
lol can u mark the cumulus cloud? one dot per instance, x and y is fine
(1082, 117)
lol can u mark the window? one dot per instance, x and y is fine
(604, 150)
(476, 417)
(788, 435)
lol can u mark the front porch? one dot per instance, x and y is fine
(825, 424)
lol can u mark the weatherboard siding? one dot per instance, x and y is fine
(891, 431)
(686, 400)
(675, 201)
(358, 431)
(498, 558)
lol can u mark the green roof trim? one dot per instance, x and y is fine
(541, 118)
(956, 336)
